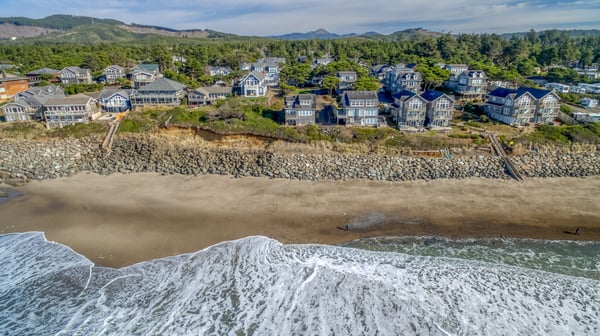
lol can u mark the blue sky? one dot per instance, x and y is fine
(274, 17)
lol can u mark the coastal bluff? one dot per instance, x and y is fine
(26, 160)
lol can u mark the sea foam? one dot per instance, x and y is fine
(258, 286)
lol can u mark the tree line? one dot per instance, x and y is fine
(502, 59)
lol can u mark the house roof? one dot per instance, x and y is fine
(306, 96)
(346, 72)
(162, 84)
(431, 95)
(360, 95)
(217, 68)
(12, 79)
(537, 93)
(46, 90)
(214, 89)
(113, 66)
(475, 73)
(78, 99)
(404, 95)
(76, 69)
(43, 71)
(20, 103)
(502, 92)
(148, 66)
(257, 75)
(107, 93)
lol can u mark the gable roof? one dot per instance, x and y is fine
(405, 95)
(537, 93)
(76, 69)
(113, 66)
(43, 71)
(502, 92)
(218, 68)
(162, 84)
(107, 93)
(260, 77)
(148, 67)
(431, 95)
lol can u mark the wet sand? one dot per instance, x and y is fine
(119, 220)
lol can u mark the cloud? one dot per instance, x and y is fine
(272, 17)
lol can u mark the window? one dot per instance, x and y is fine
(304, 113)
(550, 101)
(443, 104)
(524, 102)
(415, 104)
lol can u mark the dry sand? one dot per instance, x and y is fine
(119, 220)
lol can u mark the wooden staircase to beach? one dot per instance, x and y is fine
(511, 168)
(108, 139)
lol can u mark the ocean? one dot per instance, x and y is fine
(258, 286)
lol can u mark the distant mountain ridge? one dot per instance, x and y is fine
(322, 34)
(85, 29)
(319, 34)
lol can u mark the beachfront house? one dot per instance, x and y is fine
(359, 108)
(18, 111)
(115, 100)
(522, 106)
(300, 109)
(208, 95)
(75, 75)
(162, 91)
(253, 85)
(409, 110)
(29, 105)
(76, 109)
(439, 110)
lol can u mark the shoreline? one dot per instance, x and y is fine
(122, 219)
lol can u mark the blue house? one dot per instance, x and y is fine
(115, 101)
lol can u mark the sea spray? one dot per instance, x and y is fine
(257, 286)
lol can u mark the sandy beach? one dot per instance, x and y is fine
(119, 220)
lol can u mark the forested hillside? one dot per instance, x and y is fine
(502, 59)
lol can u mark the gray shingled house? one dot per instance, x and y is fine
(300, 110)
(162, 91)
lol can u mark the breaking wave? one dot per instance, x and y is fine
(258, 286)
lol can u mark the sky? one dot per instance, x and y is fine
(276, 17)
